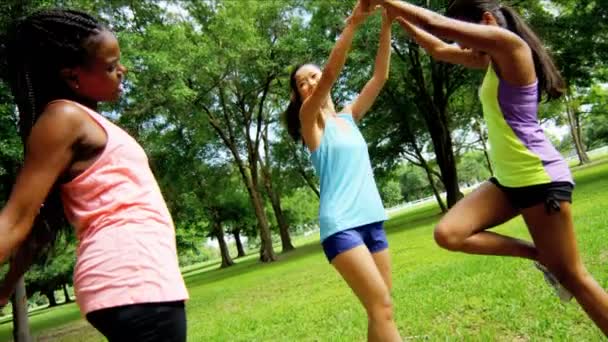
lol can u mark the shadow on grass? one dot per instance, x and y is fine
(248, 265)
(406, 221)
(38, 311)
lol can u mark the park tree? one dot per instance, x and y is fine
(576, 32)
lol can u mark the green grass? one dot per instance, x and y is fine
(438, 295)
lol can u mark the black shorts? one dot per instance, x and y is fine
(551, 194)
(150, 322)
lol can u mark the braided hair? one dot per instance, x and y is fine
(36, 49)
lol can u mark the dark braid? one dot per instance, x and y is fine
(37, 48)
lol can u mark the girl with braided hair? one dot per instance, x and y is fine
(79, 166)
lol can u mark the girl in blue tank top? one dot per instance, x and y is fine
(351, 213)
(532, 179)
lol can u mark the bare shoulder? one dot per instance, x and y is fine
(60, 123)
(64, 113)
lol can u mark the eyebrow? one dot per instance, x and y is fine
(299, 78)
(112, 60)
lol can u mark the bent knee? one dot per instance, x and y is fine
(446, 237)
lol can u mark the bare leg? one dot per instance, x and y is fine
(463, 228)
(358, 268)
(556, 244)
(383, 262)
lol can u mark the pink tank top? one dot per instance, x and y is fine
(126, 252)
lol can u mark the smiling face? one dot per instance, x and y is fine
(306, 80)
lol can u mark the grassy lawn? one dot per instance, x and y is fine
(438, 295)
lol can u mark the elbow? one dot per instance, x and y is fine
(381, 78)
(381, 73)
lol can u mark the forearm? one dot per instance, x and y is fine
(20, 263)
(338, 55)
(13, 233)
(417, 15)
(337, 58)
(426, 40)
(383, 57)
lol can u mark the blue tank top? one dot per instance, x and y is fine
(349, 195)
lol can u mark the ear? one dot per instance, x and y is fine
(488, 19)
(70, 76)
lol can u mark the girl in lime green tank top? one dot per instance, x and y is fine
(531, 179)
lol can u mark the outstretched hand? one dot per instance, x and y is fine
(388, 15)
(360, 13)
(375, 3)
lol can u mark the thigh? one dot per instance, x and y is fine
(382, 259)
(377, 243)
(554, 237)
(486, 207)
(359, 270)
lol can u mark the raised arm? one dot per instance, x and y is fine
(312, 105)
(489, 39)
(442, 51)
(372, 88)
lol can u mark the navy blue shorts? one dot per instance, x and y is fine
(372, 235)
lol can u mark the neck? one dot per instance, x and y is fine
(85, 102)
(328, 109)
(65, 93)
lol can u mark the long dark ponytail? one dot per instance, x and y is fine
(34, 51)
(292, 113)
(550, 81)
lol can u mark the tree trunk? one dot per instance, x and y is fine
(429, 176)
(433, 106)
(442, 143)
(21, 328)
(575, 132)
(239, 244)
(275, 200)
(250, 180)
(302, 171)
(66, 294)
(426, 167)
(266, 250)
(487, 158)
(311, 184)
(218, 231)
(50, 294)
(484, 145)
(286, 244)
